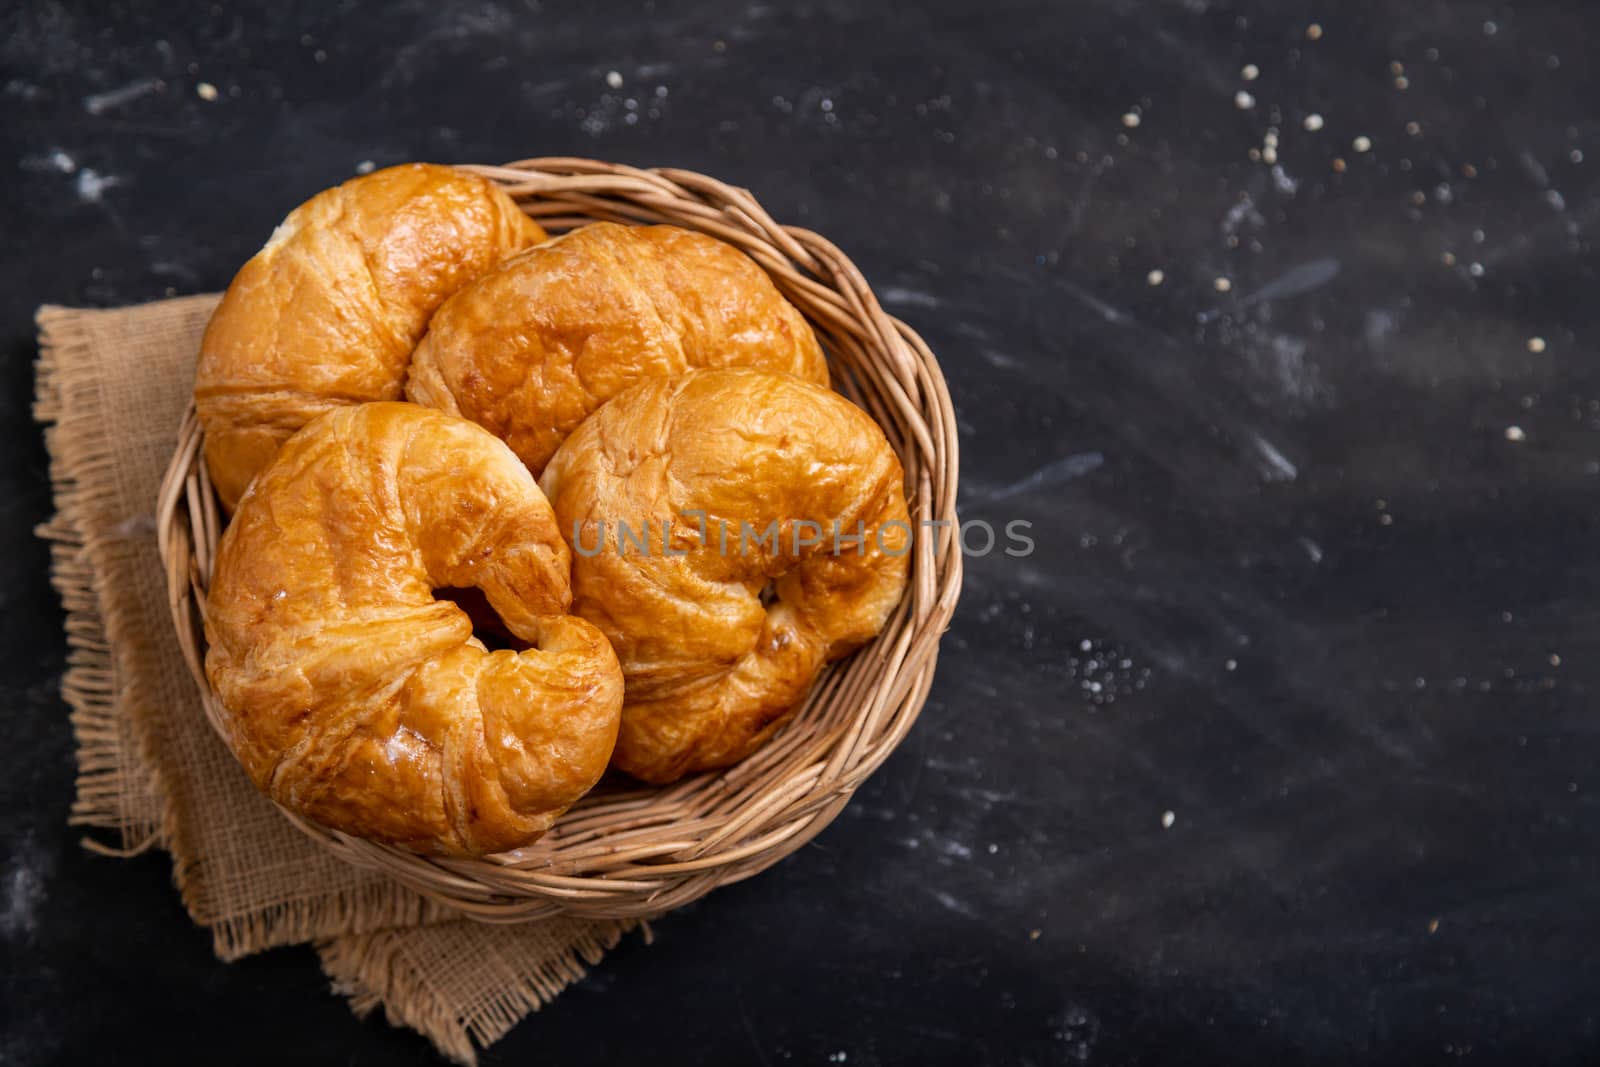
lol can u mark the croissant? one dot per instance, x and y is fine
(328, 312)
(713, 520)
(531, 348)
(353, 694)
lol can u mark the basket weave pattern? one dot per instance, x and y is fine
(625, 851)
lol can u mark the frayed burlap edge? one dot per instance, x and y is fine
(80, 471)
(377, 970)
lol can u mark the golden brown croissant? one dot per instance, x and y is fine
(531, 348)
(328, 312)
(720, 643)
(356, 697)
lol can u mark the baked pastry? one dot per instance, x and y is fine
(711, 518)
(531, 348)
(358, 698)
(328, 312)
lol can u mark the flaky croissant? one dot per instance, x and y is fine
(531, 348)
(328, 312)
(357, 697)
(713, 520)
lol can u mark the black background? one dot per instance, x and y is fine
(1295, 582)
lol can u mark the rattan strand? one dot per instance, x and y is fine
(626, 851)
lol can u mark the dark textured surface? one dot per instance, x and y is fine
(1297, 582)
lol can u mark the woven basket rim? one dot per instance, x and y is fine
(626, 852)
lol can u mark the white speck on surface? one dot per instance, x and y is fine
(111, 99)
(1078, 1031)
(1243, 100)
(1085, 645)
(1433, 926)
(1314, 32)
(24, 886)
(1167, 819)
(894, 294)
(1283, 359)
(1156, 277)
(1362, 144)
(1378, 327)
(206, 91)
(57, 160)
(1515, 434)
(1283, 181)
(366, 166)
(1231, 665)
(92, 184)
(1278, 466)
(1130, 119)
(1490, 28)
(1476, 270)
(1244, 211)
(614, 79)
(1250, 72)
(1402, 83)
(1555, 660)
(1536, 345)
(1222, 285)
(949, 903)
(1313, 122)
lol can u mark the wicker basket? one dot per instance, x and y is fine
(626, 851)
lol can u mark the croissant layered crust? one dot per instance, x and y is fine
(750, 490)
(353, 692)
(328, 312)
(622, 522)
(531, 348)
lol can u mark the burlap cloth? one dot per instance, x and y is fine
(111, 390)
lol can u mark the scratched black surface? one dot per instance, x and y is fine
(1313, 568)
